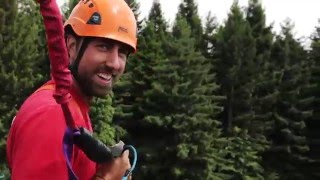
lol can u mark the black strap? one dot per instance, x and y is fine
(75, 65)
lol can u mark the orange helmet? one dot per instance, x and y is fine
(112, 19)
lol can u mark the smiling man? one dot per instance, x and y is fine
(99, 36)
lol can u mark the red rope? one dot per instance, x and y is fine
(58, 55)
(57, 49)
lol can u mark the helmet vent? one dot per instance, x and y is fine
(95, 19)
(86, 1)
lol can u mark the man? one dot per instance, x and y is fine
(99, 36)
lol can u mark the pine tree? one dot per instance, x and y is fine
(235, 53)
(7, 16)
(157, 19)
(264, 92)
(188, 10)
(21, 58)
(288, 137)
(181, 108)
(236, 163)
(312, 123)
(209, 40)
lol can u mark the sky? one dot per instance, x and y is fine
(303, 13)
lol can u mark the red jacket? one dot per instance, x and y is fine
(34, 144)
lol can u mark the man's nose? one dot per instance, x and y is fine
(113, 59)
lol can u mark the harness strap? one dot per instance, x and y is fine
(67, 151)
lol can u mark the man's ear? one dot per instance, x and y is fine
(71, 43)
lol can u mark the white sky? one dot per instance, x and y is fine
(304, 13)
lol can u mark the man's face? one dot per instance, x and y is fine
(101, 65)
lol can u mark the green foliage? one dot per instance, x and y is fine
(102, 113)
(264, 90)
(288, 135)
(235, 52)
(188, 10)
(21, 59)
(208, 43)
(312, 123)
(67, 7)
(241, 54)
(243, 156)
(178, 110)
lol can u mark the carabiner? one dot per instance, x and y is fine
(134, 161)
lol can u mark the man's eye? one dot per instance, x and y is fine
(124, 51)
(104, 47)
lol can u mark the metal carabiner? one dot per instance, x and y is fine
(133, 163)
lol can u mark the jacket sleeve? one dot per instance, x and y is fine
(35, 145)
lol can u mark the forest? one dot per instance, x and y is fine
(199, 100)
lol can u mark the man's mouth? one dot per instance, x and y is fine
(105, 76)
(104, 79)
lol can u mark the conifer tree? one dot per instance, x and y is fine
(188, 9)
(288, 136)
(312, 123)
(20, 58)
(235, 53)
(181, 108)
(209, 40)
(264, 92)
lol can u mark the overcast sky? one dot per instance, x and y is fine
(304, 13)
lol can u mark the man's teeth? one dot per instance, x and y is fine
(105, 76)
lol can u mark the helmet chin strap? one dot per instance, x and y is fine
(73, 66)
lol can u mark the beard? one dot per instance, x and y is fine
(90, 89)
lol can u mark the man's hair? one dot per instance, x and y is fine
(68, 31)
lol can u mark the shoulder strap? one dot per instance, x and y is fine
(48, 86)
